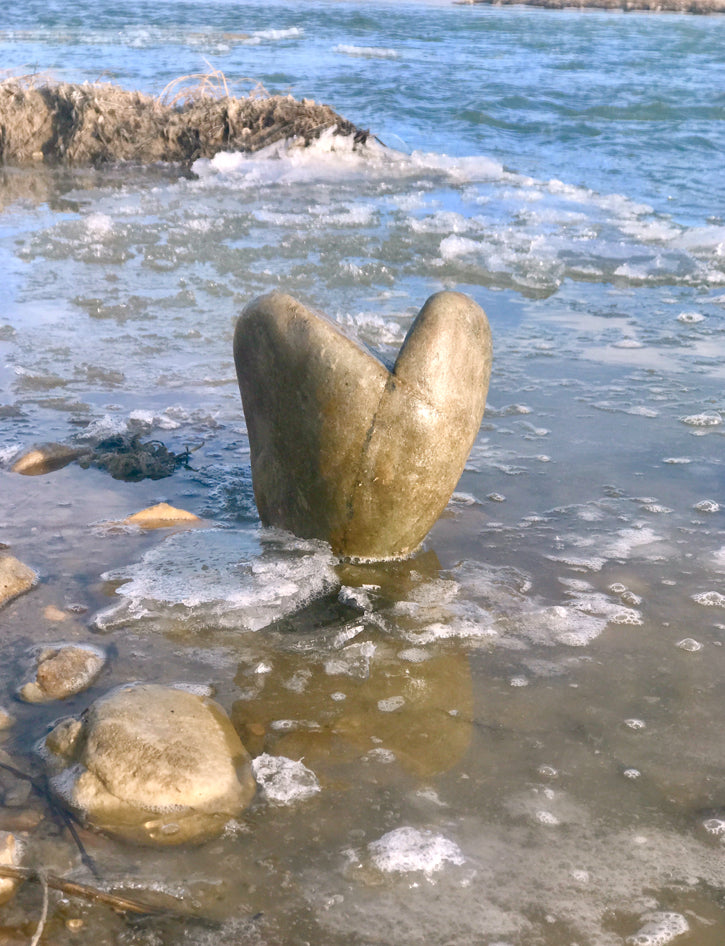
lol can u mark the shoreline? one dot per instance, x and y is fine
(694, 7)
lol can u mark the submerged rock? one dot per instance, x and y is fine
(46, 458)
(15, 578)
(63, 671)
(7, 720)
(160, 516)
(11, 854)
(152, 764)
(342, 448)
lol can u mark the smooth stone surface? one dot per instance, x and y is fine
(15, 578)
(160, 516)
(152, 764)
(46, 458)
(342, 448)
(63, 671)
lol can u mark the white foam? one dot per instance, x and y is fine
(629, 541)
(292, 32)
(284, 781)
(689, 644)
(704, 419)
(366, 52)
(659, 928)
(707, 505)
(690, 318)
(710, 599)
(391, 704)
(411, 849)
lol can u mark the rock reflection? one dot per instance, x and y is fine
(366, 696)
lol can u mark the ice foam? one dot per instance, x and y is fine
(408, 849)
(284, 781)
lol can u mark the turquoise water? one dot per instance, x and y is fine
(528, 750)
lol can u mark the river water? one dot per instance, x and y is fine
(517, 735)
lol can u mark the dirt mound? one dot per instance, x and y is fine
(99, 123)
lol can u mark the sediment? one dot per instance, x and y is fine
(626, 6)
(95, 124)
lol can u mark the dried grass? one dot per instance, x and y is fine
(196, 116)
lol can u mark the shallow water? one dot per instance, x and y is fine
(516, 734)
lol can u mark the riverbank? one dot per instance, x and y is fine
(702, 7)
(94, 124)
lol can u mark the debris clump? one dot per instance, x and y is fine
(95, 124)
(131, 459)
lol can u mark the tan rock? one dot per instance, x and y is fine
(160, 516)
(152, 764)
(15, 578)
(51, 613)
(7, 721)
(62, 672)
(46, 458)
(342, 448)
(11, 853)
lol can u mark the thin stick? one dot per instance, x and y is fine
(73, 889)
(44, 914)
(41, 787)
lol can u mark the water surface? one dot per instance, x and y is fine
(516, 734)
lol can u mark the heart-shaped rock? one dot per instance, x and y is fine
(344, 449)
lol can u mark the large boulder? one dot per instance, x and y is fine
(151, 764)
(344, 449)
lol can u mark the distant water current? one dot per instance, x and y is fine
(517, 735)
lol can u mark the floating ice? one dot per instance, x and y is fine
(251, 576)
(411, 849)
(284, 781)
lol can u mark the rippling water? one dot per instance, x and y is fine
(516, 734)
